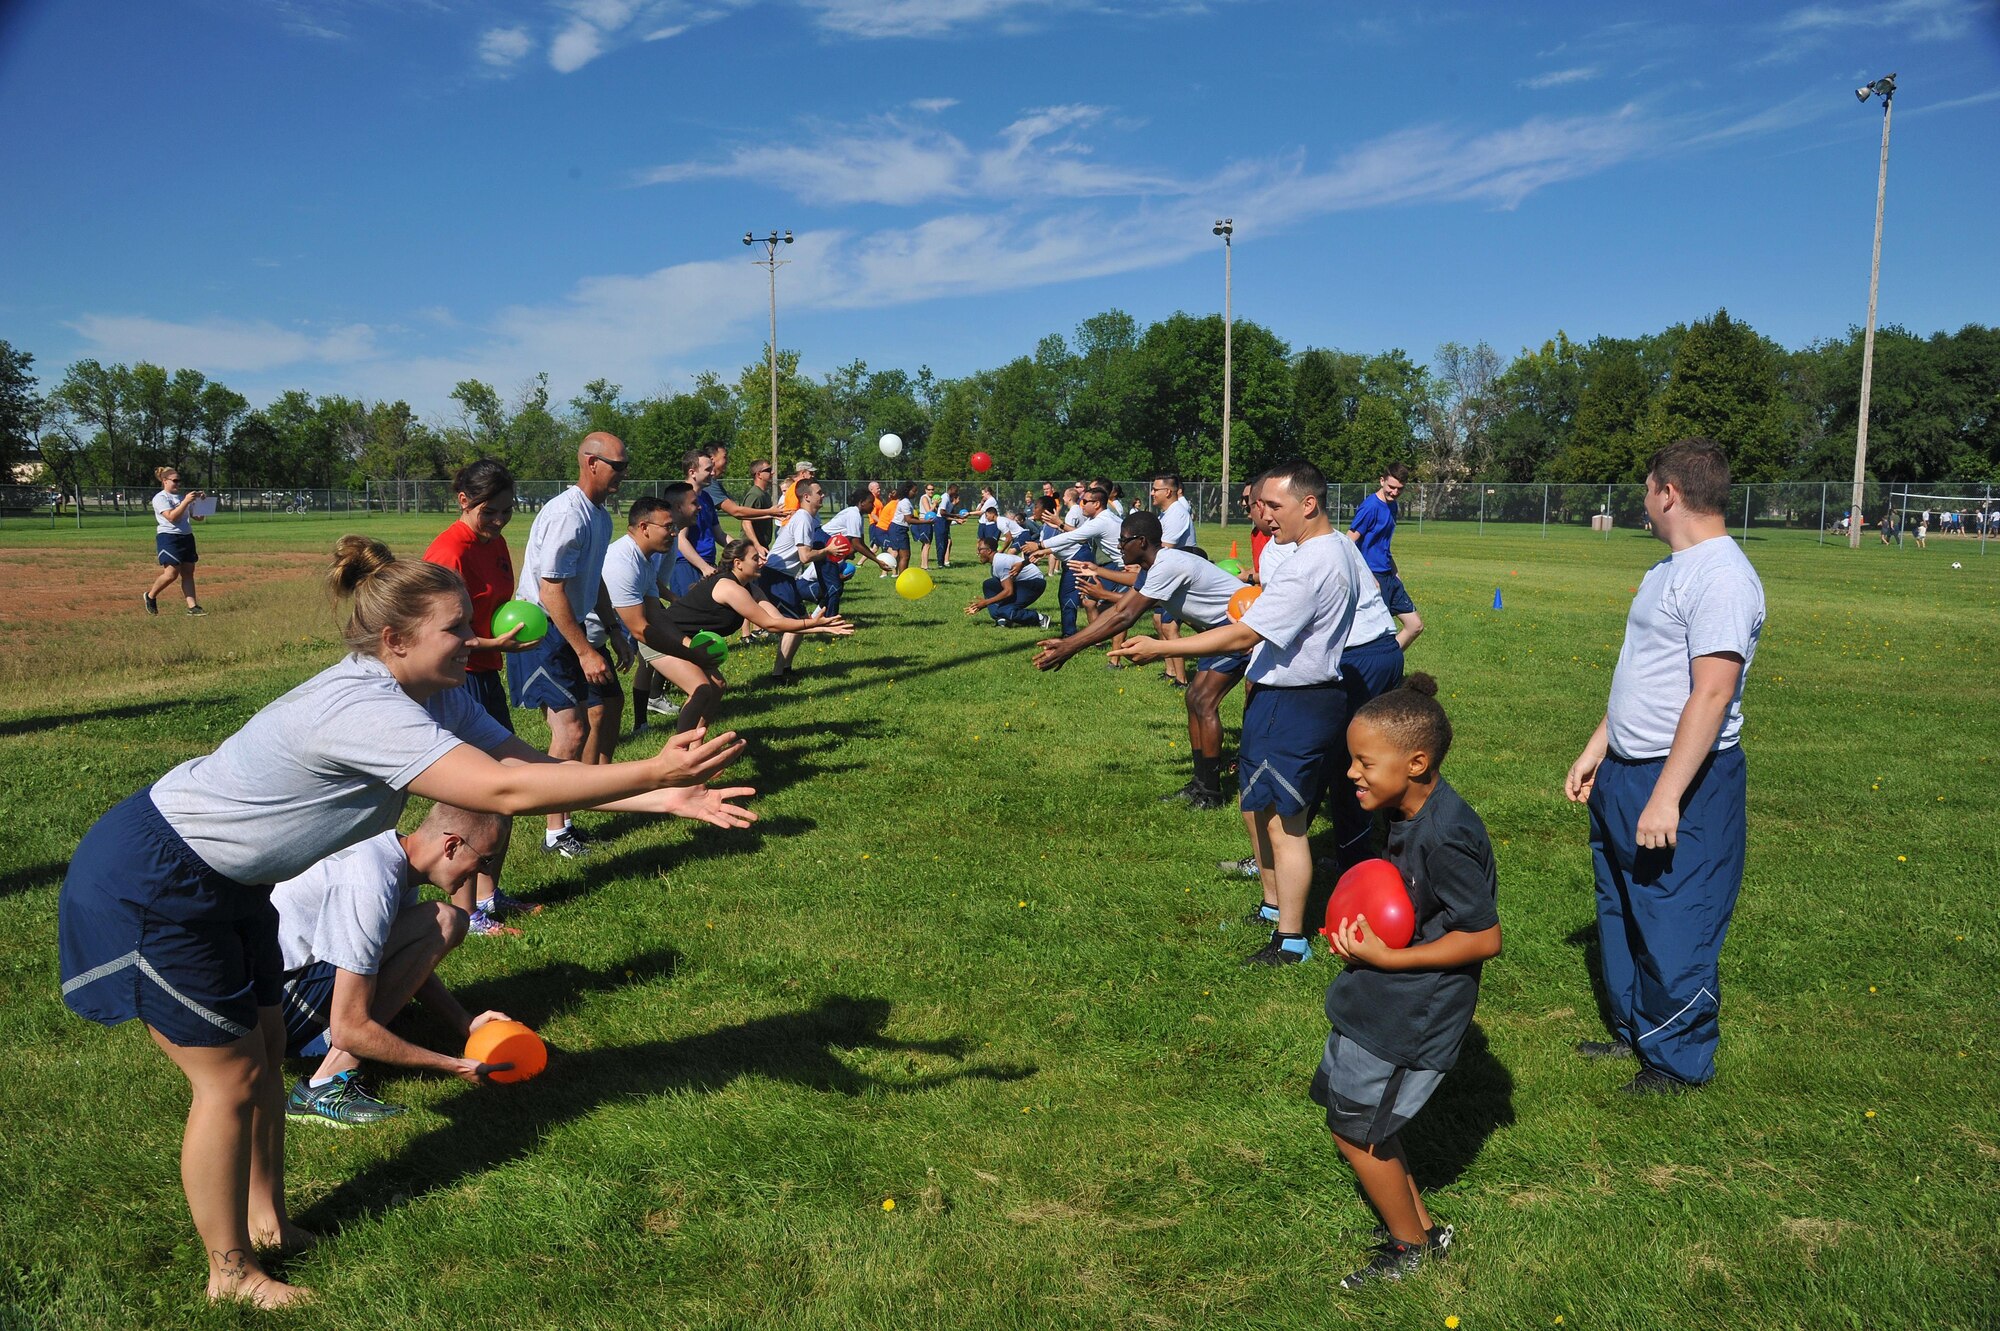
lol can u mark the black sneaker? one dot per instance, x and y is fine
(152, 603)
(1437, 1240)
(1604, 1049)
(1258, 916)
(196, 610)
(1275, 953)
(1652, 1081)
(1392, 1261)
(1183, 795)
(1205, 799)
(569, 845)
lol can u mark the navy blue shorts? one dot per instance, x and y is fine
(309, 1010)
(146, 929)
(547, 675)
(986, 531)
(1234, 663)
(920, 532)
(174, 547)
(611, 690)
(785, 592)
(1395, 595)
(1287, 754)
(1369, 671)
(1164, 615)
(878, 537)
(490, 691)
(896, 538)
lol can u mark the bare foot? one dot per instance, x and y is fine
(287, 1238)
(257, 1289)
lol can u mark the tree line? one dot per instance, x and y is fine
(1110, 399)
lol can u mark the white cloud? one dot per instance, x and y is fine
(1925, 20)
(933, 105)
(1037, 156)
(1557, 78)
(219, 346)
(503, 48)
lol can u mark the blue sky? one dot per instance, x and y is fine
(382, 197)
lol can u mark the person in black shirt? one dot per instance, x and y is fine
(1399, 1015)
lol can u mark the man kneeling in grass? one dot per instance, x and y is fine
(360, 944)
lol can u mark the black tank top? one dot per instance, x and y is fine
(699, 610)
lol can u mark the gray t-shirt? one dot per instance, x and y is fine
(1700, 601)
(1193, 590)
(341, 910)
(631, 575)
(1177, 523)
(1303, 616)
(1100, 531)
(317, 770)
(567, 545)
(800, 529)
(1023, 570)
(1372, 619)
(162, 526)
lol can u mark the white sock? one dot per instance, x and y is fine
(318, 1082)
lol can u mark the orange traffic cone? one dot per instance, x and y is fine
(1232, 551)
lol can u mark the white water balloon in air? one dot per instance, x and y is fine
(891, 445)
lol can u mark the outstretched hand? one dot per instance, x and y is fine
(1138, 650)
(717, 808)
(691, 758)
(1050, 654)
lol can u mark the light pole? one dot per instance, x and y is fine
(1885, 88)
(1225, 227)
(772, 262)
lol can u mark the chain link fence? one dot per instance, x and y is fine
(1802, 510)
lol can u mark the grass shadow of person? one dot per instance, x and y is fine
(490, 1126)
(31, 876)
(544, 993)
(1475, 1100)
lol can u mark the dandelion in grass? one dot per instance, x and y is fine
(888, 1203)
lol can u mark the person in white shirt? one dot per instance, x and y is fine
(173, 540)
(1295, 711)
(1013, 589)
(1664, 777)
(638, 581)
(360, 945)
(1096, 532)
(1008, 529)
(1176, 533)
(1198, 594)
(829, 577)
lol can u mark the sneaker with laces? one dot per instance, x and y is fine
(1181, 796)
(1392, 1261)
(1604, 1049)
(1264, 914)
(569, 845)
(660, 705)
(152, 603)
(1275, 953)
(1204, 799)
(1041, 620)
(1652, 1081)
(342, 1103)
(487, 924)
(1244, 868)
(1437, 1241)
(196, 610)
(500, 904)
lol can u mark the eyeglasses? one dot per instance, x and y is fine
(617, 468)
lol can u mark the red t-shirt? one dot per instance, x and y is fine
(488, 570)
(1259, 538)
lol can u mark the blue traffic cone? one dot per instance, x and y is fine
(1496, 598)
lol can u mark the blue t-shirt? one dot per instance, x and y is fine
(1376, 521)
(707, 526)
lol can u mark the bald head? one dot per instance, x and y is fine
(600, 463)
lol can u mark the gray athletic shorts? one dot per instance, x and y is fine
(1367, 1099)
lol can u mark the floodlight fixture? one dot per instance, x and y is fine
(1884, 87)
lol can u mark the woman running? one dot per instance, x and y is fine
(173, 540)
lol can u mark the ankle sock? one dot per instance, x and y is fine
(1295, 943)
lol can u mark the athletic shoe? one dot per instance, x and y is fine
(1392, 1261)
(759, 635)
(1274, 953)
(1604, 1049)
(152, 603)
(1437, 1241)
(1041, 619)
(1245, 867)
(1258, 917)
(485, 922)
(661, 705)
(569, 845)
(500, 903)
(342, 1102)
(1181, 796)
(196, 610)
(1652, 1081)
(1205, 800)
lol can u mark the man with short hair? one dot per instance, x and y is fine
(800, 470)
(1196, 593)
(1095, 531)
(725, 507)
(695, 542)
(1010, 593)
(1665, 781)
(1176, 533)
(1296, 712)
(638, 579)
(562, 571)
(759, 497)
(359, 944)
(1372, 529)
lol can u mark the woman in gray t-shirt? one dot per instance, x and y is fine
(165, 914)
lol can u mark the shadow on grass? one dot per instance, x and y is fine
(540, 995)
(35, 723)
(1585, 937)
(32, 876)
(490, 1126)
(1475, 1100)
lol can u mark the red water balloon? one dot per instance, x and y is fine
(1373, 889)
(982, 462)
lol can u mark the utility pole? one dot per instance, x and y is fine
(772, 262)
(1885, 88)
(1225, 227)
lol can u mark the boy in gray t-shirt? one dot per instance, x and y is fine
(359, 944)
(1665, 781)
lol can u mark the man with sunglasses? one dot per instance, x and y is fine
(562, 571)
(755, 517)
(359, 944)
(638, 577)
(1096, 532)
(1196, 593)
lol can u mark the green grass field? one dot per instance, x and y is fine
(968, 964)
